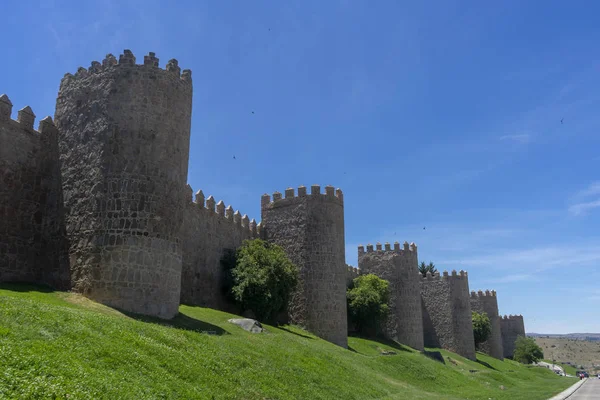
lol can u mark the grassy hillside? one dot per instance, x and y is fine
(59, 345)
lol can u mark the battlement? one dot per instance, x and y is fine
(210, 205)
(445, 275)
(315, 191)
(128, 60)
(353, 271)
(25, 118)
(513, 317)
(388, 248)
(480, 293)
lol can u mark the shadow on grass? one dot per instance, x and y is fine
(26, 287)
(387, 342)
(181, 321)
(485, 364)
(283, 328)
(435, 356)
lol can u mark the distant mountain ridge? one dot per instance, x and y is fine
(578, 336)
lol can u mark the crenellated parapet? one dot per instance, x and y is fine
(406, 247)
(513, 317)
(25, 119)
(289, 196)
(481, 293)
(127, 61)
(209, 205)
(429, 277)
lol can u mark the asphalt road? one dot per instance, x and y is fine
(590, 390)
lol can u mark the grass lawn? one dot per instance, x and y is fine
(61, 345)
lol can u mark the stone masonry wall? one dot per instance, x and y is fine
(31, 224)
(512, 327)
(207, 235)
(310, 227)
(351, 274)
(124, 148)
(400, 269)
(487, 302)
(447, 319)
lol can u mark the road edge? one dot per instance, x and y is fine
(565, 394)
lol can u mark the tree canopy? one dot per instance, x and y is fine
(368, 303)
(482, 327)
(527, 351)
(425, 268)
(263, 279)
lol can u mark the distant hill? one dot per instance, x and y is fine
(592, 337)
(572, 349)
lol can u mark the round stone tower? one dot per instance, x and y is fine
(400, 267)
(124, 147)
(487, 302)
(310, 227)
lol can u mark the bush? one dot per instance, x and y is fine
(482, 327)
(368, 303)
(263, 279)
(527, 351)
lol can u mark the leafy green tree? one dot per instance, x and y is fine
(482, 327)
(368, 303)
(425, 268)
(263, 279)
(527, 351)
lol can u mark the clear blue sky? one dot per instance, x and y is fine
(444, 115)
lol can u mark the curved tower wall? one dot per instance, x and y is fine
(487, 302)
(310, 227)
(512, 327)
(447, 320)
(124, 148)
(400, 269)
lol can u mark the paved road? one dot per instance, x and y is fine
(589, 391)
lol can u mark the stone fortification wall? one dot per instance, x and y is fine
(209, 231)
(31, 227)
(124, 148)
(447, 319)
(400, 268)
(512, 327)
(310, 227)
(487, 302)
(351, 274)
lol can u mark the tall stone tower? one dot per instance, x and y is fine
(310, 227)
(400, 267)
(124, 148)
(512, 327)
(487, 302)
(447, 321)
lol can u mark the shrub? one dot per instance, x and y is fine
(482, 327)
(263, 279)
(368, 303)
(527, 351)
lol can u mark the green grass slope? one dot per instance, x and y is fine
(61, 345)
